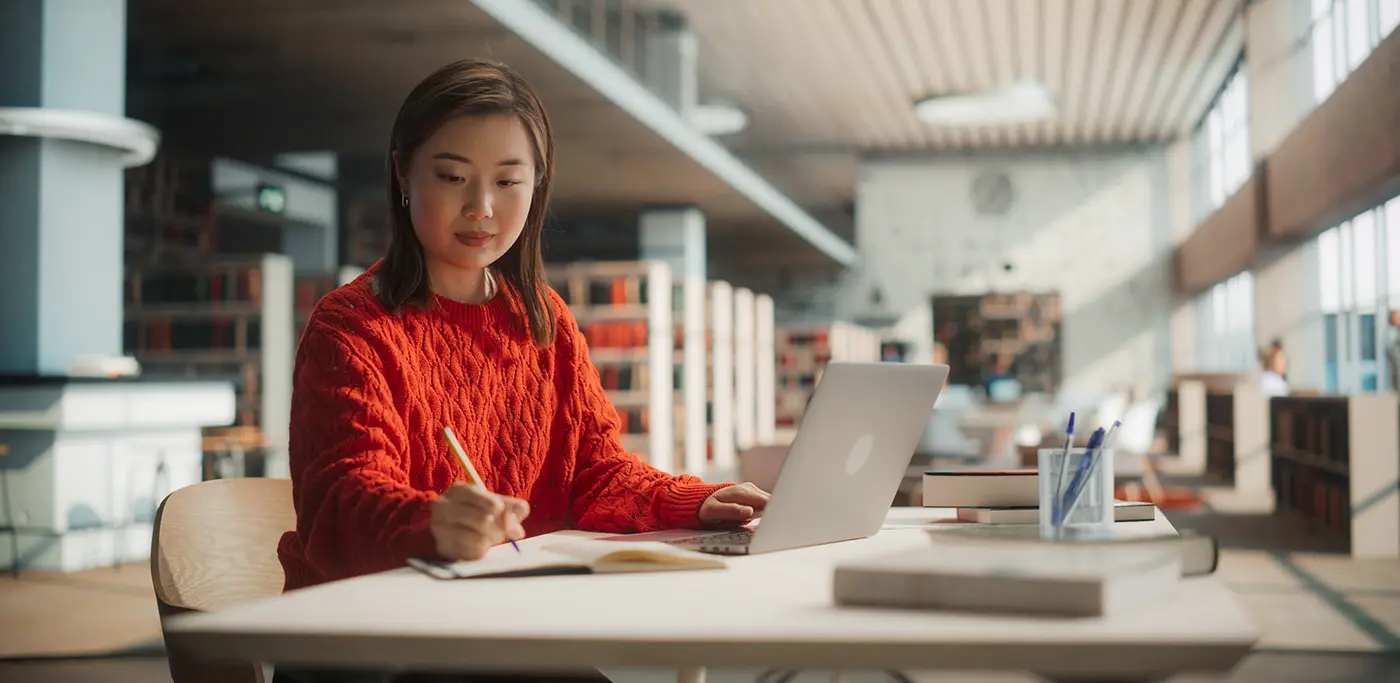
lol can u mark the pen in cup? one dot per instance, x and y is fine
(476, 479)
(1064, 465)
(1081, 472)
(1093, 465)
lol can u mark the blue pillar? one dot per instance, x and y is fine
(61, 184)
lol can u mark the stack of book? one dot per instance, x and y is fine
(1005, 497)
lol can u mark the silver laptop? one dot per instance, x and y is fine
(843, 470)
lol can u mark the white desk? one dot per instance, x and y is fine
(772, 610)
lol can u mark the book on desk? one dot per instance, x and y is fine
(574, 556)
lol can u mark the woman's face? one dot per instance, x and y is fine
(469, 189)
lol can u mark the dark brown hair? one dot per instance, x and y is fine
(469, 87)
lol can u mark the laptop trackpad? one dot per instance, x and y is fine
(677, 534)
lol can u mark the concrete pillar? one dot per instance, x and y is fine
(670, 67)
(1286, 299)
(676, 236)
(62, 99)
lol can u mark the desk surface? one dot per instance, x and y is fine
(772, 610)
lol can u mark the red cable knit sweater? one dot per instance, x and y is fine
(373, 391)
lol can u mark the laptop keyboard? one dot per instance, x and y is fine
(742, 537)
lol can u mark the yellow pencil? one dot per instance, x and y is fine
(476, 479)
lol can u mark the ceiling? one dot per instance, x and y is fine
(844, 74)
(257, 77)
(823, 81)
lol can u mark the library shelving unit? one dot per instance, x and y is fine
(722, 449)
(623, 309)
(693, 375)
(745, 372)
(228, 319)
(801, 352)
(1184, 421)
(1335, 463)
(1237, 437)
(765, 371)
(994, 334)
(310, 288)
(169, 210)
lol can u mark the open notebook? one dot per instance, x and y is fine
(579, 556)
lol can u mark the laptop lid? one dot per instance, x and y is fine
(852, 449)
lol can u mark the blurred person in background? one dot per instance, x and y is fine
(1274, 379)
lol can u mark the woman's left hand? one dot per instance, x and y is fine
(733, 504)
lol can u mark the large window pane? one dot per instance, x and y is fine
(1339, 42)
(1321, 7)
(1329, 271)
(1358, 32)
(1347, 267)
(1392, 250)
(1389, 18)
(1324, 80)
(1363, 231)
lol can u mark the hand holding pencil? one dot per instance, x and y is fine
(468, 519)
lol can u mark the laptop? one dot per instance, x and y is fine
(853, 446)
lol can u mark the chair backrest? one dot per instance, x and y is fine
(215, 546)
(215, 542)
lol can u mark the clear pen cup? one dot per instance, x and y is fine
(1092, 514)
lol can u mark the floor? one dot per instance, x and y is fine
(1324, 617)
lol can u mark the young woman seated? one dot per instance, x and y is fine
(456, 327)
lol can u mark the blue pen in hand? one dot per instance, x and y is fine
(1080, 473)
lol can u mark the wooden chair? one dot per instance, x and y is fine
(215, 546)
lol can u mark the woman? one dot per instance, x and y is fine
(455, 327)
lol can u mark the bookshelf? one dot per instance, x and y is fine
(745, 372)
(623, 309)
(169, 210)
(801, 351)
(766, 367)
(1009, 334)
(722, 448)
(1237, 437)
(226, 319)
(1336, 460)
(310, 288)
(692, 370)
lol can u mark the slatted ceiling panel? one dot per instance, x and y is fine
(1210, 82)
(999, 26)
(1221, 39)
(1146, 64)
(1080, 34)
(1124, 72)
(1028, 34)
(1188, 32)
(872, 60)
(911, 25)
(957, 50)
(1097, 68)
(891, 44)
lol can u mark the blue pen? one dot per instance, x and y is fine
(1079, 476)
(1064, 465)
(1093, 465)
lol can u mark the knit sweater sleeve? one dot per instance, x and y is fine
(355, 511)
(613, 490)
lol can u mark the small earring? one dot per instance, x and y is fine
(405, 199)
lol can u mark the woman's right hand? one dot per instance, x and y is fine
(468, 520)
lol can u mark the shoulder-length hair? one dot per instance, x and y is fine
(470, 87)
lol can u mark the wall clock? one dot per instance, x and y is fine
(992, 193)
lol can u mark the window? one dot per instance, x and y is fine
(1344, 32)
(1359, 284)
(1225, 326)
(1221, 145)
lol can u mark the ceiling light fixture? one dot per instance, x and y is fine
(718, 118)
(1010, 105)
